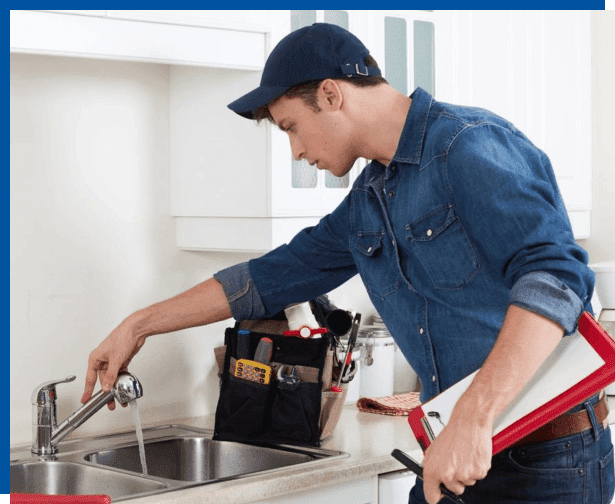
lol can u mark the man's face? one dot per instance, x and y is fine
(319, 137)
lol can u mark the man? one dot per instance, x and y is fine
(461, 237)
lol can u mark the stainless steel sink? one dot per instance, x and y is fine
(58, 478)
(177, 457)
(198, 458)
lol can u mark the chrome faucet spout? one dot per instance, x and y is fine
(47, 434)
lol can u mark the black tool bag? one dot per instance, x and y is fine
(290, 411)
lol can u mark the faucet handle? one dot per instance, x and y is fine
(46, 392)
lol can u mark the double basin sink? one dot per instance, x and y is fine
(176, 456)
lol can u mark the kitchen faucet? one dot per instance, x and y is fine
(46, 433)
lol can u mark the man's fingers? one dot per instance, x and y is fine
(108, 380)
(90, 382)
(432, 492)
(456, 487)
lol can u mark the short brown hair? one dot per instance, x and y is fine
(307, 91)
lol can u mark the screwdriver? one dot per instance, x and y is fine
(264, 351)
(243, 344)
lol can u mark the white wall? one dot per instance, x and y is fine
(92, 239)
(601, 243)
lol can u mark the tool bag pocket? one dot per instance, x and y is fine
(296, 411)
(289, 408)
(243, 407)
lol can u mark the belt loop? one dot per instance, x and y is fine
(592, 418)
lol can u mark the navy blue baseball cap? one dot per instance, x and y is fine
(316, 52)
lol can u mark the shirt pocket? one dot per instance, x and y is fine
(443, 248)
(376, 262)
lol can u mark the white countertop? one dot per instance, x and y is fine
(368, 439)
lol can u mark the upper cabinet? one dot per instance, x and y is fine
(225, 39)
(235, 185)
(533, 68)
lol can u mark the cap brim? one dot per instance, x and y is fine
(262, 95)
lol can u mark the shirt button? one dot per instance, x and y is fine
(433, 378)
(393, 167)
(429, 232)
(369, 250)
(392, 193)
(421, 331)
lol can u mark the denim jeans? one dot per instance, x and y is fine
(575, 469)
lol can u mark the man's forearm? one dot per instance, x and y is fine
(461, 454)
(524, 342)
(203, 304)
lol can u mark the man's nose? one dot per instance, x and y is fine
(297, 149)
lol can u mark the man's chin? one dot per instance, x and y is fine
(337, 171)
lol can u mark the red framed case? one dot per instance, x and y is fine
(585, 387)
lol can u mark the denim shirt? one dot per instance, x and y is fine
(465, 220)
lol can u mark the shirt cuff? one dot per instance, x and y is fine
(241, 292)
(546, 295)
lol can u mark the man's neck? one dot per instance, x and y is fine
(381, 125)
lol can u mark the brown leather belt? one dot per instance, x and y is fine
(566, 424)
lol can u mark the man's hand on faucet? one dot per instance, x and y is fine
(109, 358)
(203, 304)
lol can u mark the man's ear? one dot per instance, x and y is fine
(330, 95)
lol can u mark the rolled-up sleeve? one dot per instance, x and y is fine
(241, 292)
(542, 293)
(507, 198)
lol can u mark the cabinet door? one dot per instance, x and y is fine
(394, 487)
(534, 69)
(299, 189)
(404, 43)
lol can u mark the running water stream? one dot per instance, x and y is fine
(136, 417)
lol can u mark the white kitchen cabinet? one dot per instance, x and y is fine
(394, 487)
(235, 185)
(359, 491)
(517, 64)
(534, 69)
(140, 36)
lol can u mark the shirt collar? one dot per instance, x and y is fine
(410, 146)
